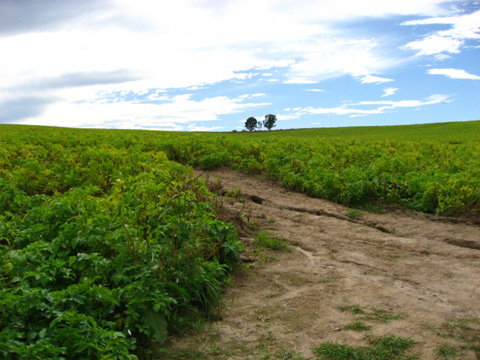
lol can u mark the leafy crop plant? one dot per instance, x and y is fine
(104, 248)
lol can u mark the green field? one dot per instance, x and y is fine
(106, 246)
(108, 241)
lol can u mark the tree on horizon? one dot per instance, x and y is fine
(270, 121)
(251, 123)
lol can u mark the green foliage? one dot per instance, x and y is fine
(354, 214)
(465, 331)
(380, 348)
(105, 246)
(270, 121)
(214, 160)
(430, 168)
(371, 313)
(251, 123)
(357, 326)
(446, 351)
(267, 240)
(105, 238)
(353, 309)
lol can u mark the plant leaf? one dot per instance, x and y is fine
(158, 323)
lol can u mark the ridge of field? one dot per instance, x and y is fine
(461, 131)
(445, 132)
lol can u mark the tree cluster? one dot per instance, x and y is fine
(252, 124)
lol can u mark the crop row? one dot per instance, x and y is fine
(440, 174)
(104, 248)
(433, 177)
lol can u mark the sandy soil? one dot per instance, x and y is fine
(424, 269)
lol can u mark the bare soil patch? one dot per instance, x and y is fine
(422, 272)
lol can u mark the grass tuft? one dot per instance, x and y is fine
(354, 214)
(466, 331)
(265, 239)
(371, 313)
(446, 351)
(357, 326)
(381, 348)
(354, 309)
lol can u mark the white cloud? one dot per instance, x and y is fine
(377, 107)
(299, 80)
(463, 27)
(442, 57)
(155, 46)
(249, 96)
(433, 99)
(370, 79)
(172, 114)
(315, 90)
(435, 44)
(210, 43)
(389, 91)
(159, 95)
(290, 116)
(454, 74)
(327, 57)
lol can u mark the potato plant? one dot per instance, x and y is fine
(431, 168)
(104, 248)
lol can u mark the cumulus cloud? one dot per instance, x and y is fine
(454, 74)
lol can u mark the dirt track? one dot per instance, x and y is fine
(425, 270)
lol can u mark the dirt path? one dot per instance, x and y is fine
(423, 272)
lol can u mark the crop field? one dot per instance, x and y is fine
(109, 242)
(105, 246)
(429, 168)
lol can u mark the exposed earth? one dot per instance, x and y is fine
(397, 272)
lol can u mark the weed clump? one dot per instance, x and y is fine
(266, 240)
(357, 326)
(379, 348)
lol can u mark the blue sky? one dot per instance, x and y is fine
(208, 65)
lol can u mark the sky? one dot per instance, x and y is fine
(208, 65)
